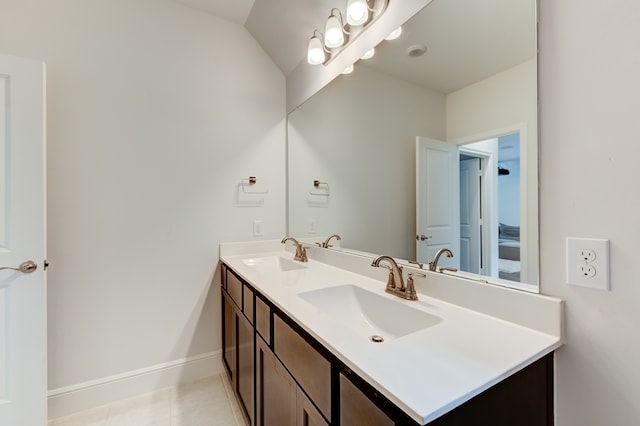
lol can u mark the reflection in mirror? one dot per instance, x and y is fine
(365, 136)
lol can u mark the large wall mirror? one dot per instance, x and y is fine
(431, 143)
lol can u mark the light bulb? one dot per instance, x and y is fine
(357, 12)
(369, 53)
(348, 70)
(394, 34)
(333, 34)
(315, 52)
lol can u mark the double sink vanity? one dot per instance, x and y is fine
(321, 343)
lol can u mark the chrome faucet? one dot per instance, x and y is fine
(325, 243)
(301, 252)
(395, 282)
(434, 263)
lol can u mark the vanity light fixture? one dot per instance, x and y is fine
(334, 32)
(323, 47)
(357, 12)
(394, 34)
(348, 70)
(369, 53)
(316, 53)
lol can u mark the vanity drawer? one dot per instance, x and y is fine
(234, 288)
(311, 370)
(263, 320)
(248, 304)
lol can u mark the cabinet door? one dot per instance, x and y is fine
(276, 390)
(307, 413)
(229, 337)
(357, 409)
(245, 370)
(310, 368)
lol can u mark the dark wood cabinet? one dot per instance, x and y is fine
(279, 399)
(245, 366)
(282, 376)
(358, 409)
(275, 390)
(310, 368)
(228, 336)
(238, 338)
(307, 413)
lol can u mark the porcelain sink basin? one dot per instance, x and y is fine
(274, 263)
(369, 314)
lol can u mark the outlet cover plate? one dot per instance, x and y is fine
(577, 265)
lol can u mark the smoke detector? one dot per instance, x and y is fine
(416, 50)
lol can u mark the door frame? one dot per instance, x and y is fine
(488, 209)
(528, 258)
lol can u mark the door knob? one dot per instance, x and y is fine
(25, 267)
(422, 237)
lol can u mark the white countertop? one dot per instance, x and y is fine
(426, 373)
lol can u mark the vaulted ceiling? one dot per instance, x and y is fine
(282, 27)
(467, 40)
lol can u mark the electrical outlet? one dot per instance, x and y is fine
(587, 270)
(257, 228)
(587, 255)
(588, 262)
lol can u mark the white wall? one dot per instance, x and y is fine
(358, 134)
(155, 114)
(590, 101)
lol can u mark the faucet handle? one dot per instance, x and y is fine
(415, 262)
(416, 274)
(301, 254)
(410, 291)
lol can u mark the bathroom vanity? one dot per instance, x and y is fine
(321, 343)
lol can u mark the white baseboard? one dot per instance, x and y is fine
(94, 393)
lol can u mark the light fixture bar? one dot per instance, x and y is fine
(324, 47)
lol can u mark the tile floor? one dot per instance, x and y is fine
(208, 402)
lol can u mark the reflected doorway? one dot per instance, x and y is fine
(490, 207)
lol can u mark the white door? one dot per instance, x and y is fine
(470, 215)
(23, 343)
(437, 201)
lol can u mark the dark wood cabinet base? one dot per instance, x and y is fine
(265, 379)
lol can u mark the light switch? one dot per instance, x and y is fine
(257, 228)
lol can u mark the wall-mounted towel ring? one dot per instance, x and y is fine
(248, 183)
(317, 184)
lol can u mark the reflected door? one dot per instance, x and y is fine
(437, 200)
(23, 341)
(470, 215)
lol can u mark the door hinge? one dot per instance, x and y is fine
(45, 264)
